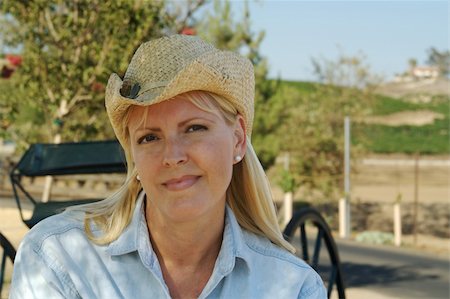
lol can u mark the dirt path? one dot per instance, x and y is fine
(382, 178)
(395, 175)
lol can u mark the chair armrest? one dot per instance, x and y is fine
(43, 210)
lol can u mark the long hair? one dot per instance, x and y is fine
(248, 195)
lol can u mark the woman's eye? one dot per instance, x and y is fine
(194, 128)
(147, 138)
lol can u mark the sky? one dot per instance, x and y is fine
(388, 33)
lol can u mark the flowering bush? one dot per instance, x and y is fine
(375, 237)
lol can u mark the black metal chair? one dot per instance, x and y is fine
(8, 251)
(309, 221)
(97, 157)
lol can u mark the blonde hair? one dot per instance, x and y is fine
(249, 194)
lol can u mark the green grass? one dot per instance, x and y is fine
(386, 105)
(428, 139)
(306, 87)
(441, 104)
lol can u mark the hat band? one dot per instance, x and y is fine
(152, 85)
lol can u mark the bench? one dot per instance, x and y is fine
(64, 159)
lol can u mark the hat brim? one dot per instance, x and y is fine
(208, 73)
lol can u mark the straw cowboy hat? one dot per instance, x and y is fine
(163, 68)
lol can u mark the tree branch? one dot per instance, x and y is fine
(105, 48)
(50, 25)
(51, 95)
(78, 97)
(191, 10)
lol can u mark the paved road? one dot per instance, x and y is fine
(375, 271)
(394, 272)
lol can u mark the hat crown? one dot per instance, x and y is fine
(158, 61)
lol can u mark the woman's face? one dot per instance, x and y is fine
(184, 157)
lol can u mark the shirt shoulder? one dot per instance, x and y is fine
(282, 267)
(261, 246)
(41, 260)
(54, 227)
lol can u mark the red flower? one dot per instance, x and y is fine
(188, 31)
(15, 60)
(97, 87)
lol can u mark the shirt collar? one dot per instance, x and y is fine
(129, 241)
(233, 244)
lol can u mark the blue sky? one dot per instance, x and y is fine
(389, 33)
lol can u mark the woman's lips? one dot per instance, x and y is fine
(181, 183)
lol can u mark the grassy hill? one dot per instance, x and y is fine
(430, 138)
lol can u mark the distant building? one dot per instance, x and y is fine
(425, 72)
(418, 73)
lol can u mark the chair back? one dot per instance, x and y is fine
(72, 158)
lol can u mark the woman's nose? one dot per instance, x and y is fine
(174, 153)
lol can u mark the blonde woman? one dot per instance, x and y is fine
(195, 217)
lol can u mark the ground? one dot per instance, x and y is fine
(408, 118)
(421, 90)
(379, 180)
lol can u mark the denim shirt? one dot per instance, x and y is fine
(57, 260)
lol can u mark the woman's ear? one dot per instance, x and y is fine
(240, 135)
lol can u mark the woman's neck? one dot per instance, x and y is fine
(187, 243)
(186, 251)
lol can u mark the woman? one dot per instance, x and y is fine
(195, 217)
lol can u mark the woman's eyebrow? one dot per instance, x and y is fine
(180, 124)
(184, 122)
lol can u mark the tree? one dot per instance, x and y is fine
(347, 70)
(439, 59)
(221, 28)
(69, 49)
(412, 63)
(312, 131)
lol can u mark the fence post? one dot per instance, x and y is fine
(287, 207)
(287, 202)
(344, 203)
(416, 197)
(397, 222)
(342, 221)
(48, 178)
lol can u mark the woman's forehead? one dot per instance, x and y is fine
(175, 109)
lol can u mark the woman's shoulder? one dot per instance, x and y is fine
(263, 248)
(56, 227)
(273, 263)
